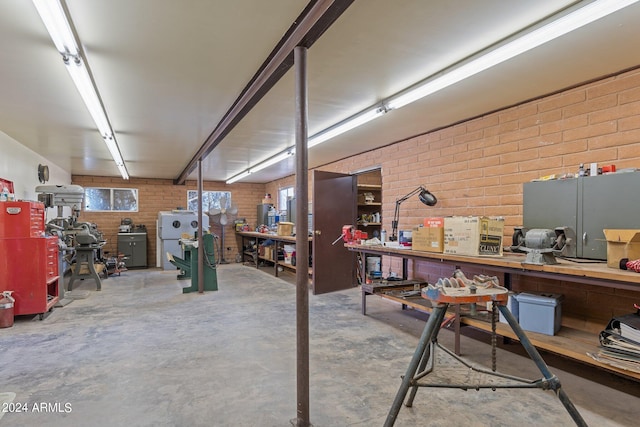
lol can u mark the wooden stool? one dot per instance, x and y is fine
(425, 352)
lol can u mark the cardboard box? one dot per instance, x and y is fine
(268, 252)
(429, 238)
(285, 228)
(473, 235)
(622, 244)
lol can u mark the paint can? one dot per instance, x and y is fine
(6, 309)
(373, 264)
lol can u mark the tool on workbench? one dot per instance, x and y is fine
(351, 235)
(626, 264)
(543, 245)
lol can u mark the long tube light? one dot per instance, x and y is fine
(83, 83)
(272, 161)
(264, 164)
(347, 125)
(53, 16)
(325, 135)
(59, 28)
(238, 177)
(557, 28)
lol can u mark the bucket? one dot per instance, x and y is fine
(6, 309)
(373, 264)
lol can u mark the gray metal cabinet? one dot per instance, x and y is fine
(587, 205)
(134, 248)
(263, 215)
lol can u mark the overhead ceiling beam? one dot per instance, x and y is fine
(317, 17)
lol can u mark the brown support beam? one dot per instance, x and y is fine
(200, 231)
(302, 242)
(310, 25)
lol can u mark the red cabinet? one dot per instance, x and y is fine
(28, 259)
(21, 219)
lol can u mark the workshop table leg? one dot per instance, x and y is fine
(457, 331)
(364, 302)
(430, 330)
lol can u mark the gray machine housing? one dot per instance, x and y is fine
(171, 226)
(263, 215)
(585, 205)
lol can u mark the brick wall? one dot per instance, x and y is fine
(478, 167)
(161, 195)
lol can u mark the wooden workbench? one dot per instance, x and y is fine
(569, 342)
(279, 240)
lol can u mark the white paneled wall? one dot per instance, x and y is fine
(20, 165)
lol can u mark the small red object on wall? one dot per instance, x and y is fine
(8, 184)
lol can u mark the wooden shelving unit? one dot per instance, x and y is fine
(368, 209)
(279, 240)
(569, 342)
(369, 212)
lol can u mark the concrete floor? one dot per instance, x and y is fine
(141, 353)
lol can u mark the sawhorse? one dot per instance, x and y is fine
(425, 352)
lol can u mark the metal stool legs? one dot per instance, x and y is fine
(554, 382)
(424, 353)
(420, 357)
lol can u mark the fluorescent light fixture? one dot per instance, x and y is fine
(264, 164)
(557, 28)
(123, 171)
(59, 28)
(537, 37)
(80, 77)
(271, 161)
(57, 25)
(113, 149)
(340, 128)
(238, 177)
(346, 125)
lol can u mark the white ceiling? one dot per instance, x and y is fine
(168, 71)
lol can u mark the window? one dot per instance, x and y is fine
(284, 194)
(110, 199)
(210, 200)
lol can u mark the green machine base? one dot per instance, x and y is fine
(189, 265)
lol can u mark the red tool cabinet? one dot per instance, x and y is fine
(28, 258)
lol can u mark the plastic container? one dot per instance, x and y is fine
(512, 305)
(374, 264)
(540, 313)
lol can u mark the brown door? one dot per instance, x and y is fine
(333, 206)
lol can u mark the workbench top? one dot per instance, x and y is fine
(291, 239)
(514, 262)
